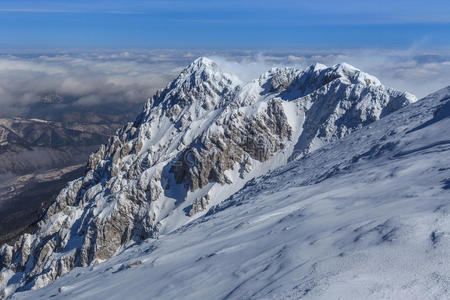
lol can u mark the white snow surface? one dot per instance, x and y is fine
(365, 217)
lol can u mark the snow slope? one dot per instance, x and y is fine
(366, 217)
(197, 142)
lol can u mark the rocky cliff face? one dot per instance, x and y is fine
(197, 142)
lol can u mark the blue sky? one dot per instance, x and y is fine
(233, 24)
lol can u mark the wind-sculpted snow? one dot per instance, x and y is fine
(196, 143)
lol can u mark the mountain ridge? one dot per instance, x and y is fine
(363, 217)
(196, 142)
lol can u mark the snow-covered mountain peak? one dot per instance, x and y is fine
(200, 70)
(197, 142)
(319, 74)
(354, 75)
(299, 83)
(202, 84)
(202, 62)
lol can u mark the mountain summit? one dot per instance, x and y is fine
(196, 143)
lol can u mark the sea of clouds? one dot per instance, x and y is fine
(106, 77)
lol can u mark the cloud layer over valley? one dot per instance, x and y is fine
(111, 78)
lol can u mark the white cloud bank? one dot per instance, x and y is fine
(104, 77)
(86, 78)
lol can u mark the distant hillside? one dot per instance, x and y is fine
(37, 158)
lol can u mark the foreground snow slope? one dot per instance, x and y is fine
(366, 217)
